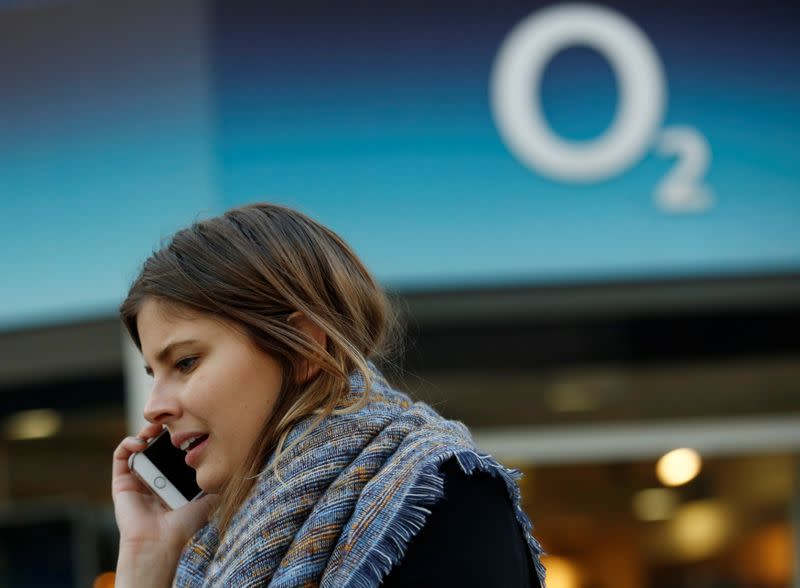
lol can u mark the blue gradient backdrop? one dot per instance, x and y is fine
(105, 148)
(119, 125)
(375, 118)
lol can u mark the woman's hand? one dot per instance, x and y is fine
(151, 535)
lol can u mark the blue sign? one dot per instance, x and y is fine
(105, 149)
(460, 143)
(452, 144)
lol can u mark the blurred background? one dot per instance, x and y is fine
(587, 214)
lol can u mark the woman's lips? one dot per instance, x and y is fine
(195, 453)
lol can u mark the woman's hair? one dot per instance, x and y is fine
(254, 266)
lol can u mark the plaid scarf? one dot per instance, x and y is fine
(355, 490)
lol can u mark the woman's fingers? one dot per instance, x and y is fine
(122, 479)
(130, 445)
(150, 430)
(127, 446)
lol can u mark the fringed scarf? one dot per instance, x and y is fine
(355, 490)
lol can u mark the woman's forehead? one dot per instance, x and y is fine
(168, 310)
(160, 321)
(157, 320)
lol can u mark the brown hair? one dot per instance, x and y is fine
(253, 267)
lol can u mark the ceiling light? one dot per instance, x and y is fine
(32, 424)
(678, 467)
(561, 572)
(700, 529)
(655, 504)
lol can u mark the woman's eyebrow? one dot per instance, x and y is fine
(164, 353)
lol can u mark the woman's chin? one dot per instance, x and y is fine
(208, 485)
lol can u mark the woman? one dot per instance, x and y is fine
(258, 327)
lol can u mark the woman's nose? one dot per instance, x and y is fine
(161, 407)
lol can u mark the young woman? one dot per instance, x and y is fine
(259, 328)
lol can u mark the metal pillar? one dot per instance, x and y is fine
(137, 384)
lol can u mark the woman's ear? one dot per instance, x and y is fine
(308, 369)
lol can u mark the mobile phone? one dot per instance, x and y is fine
(162, 468)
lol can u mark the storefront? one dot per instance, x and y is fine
(610, 277)
(586, 389)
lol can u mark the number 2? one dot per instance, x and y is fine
(682, 189)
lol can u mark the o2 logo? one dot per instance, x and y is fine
(637, 124)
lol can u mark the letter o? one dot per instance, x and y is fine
(516, 92)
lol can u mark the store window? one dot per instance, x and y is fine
(616, 525)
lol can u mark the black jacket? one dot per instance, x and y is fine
(470, 539)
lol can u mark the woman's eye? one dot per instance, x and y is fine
(186, 364)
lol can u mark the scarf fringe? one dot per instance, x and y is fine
(425, 492)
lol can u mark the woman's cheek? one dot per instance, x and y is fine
(197, 392)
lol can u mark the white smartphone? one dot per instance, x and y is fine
(162, 468)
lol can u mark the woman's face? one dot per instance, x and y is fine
(212, 387)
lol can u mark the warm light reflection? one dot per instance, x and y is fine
(561, 572)
(765, 557)
(775, 545)
(105, 580)
(32, 424)
(700, 529)
(654, 504)
(678, 467)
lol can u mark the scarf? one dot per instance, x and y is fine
(355, 489)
